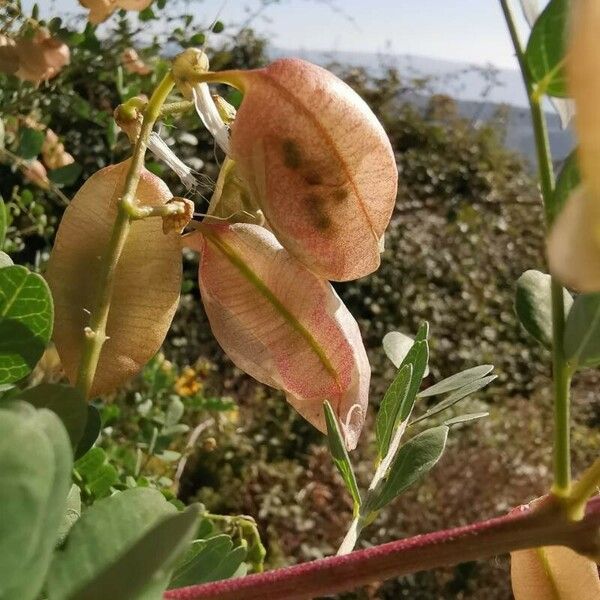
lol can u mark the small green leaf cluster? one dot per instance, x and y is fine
(401, 463)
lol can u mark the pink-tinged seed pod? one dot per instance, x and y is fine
(282, 324)
(573, 244)
(319, 163)
(146, 283)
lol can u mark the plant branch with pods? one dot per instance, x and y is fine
(307, 187)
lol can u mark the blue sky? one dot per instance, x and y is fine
(463, 30)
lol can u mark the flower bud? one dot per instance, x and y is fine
(35, 172)
(319, 164)
(226, 111)
(133, 63)
(282, 324)
(191, 61)
(54, 153)
(178, 221)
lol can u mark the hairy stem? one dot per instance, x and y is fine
(546, 526)
(560, 370)
(95, 333)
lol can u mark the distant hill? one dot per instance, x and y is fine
(466, 83)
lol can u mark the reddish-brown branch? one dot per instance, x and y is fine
(515, 531)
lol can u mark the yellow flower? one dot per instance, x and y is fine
(187, 383)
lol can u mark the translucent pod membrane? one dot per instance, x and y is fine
(319, 164)
(574, 241)
(147, 280)
(553, 572)
(282, 324)
(583, 70)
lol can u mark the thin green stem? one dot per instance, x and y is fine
(176, 107)
(95, 333)
(583, 490)
(562, 388)
(561, 373)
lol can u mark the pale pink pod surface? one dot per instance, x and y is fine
(583, 70)
(574, 240)
(319, 163)
(282, 324)
(147, 280)
(573, 244)
(553, 573)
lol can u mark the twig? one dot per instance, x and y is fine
(515, 531)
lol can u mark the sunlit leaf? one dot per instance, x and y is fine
(208, 560)
(568, 180)
(66, 175)
(339, 454)
(318, 163)
(582, 332)
(25, 321)
(466, 418)
(396, 346)
(553, 573)
(35, 476)
(282, 324)
(413, 460)
(147, 280)
(30, 143)
(457, 396)
(5, 260)
(95, 473)
(531, 11)
(122, 547)
(72, 513)
(395, 407)
(546, 49)
(533, 305)
(456, 381)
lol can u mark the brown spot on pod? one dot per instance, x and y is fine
(313, 178)
(317, 211)
(292, 158)
(297, 118)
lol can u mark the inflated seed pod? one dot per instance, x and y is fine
(147, 280)
(282, 324)
(319, 164)
(574, 241)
